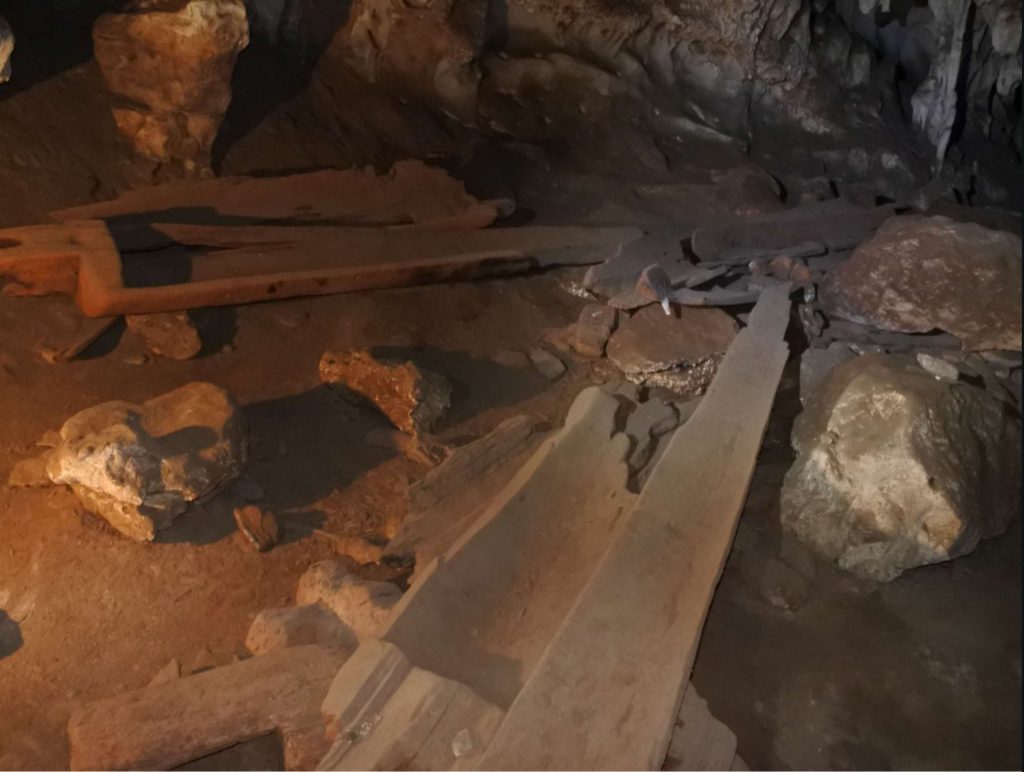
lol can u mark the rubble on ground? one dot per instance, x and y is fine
(898, 469)
(139, 466)
(654, 348)
(413, 399)
(171, 334)
(169, 66)
(919, 274)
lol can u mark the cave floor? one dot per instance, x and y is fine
(921, 673)
(924, 672)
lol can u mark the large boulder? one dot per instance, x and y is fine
(139, 466)
(898, 469)
(169, 65)
(918, 274)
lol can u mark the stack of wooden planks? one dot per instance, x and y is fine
(242, 240)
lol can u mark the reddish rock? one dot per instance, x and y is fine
(918, 274)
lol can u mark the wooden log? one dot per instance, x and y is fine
(607, 690)
(411, 193)
(161, 727)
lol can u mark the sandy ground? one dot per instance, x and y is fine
(921, 673)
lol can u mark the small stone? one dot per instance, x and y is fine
(30, 473)
(279, 628)
(171, 335)
(413, 399)
(204, 660)
(940, 368)
(687, 381)
(462, 743)
(547, 364)
(559, 338)
(365, 606)
(136, 359)
(593, 328)
(168, 673)
(258, 526)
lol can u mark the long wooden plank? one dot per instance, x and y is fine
(607, 690)
(410, 193)
(484, 611)
(44, 259)
(350, 259)
(161, 727)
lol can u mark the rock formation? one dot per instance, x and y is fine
(168, 64)
(897, 468)
(919, 274)
(6, 49)
(139, 466)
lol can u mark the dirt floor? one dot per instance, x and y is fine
(924, 672)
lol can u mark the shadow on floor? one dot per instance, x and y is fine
(10, 635)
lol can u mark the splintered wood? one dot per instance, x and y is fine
(607, 690)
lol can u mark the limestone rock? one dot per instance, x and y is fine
(593, 328)
(817, 363)
(279, 628)
(6, 49)
(139, 466)
(363, 605)
(918, 274)
(169, 65)
(171, 335)
(898, 469)
(412, 398)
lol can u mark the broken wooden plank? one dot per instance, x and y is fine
(836, 223)
(82, 259)
(446, 502)
(608, 688)
(44, 259)
(161, 727)
(411, 193)
(484, 611)
(385, 714)
(699, 740)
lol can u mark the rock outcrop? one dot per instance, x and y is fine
(413, 399)
(898, 469)
(6, 49)
(139, 466)
(168, 64)
(919, 274)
